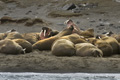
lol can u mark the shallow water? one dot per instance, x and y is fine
(59, 76)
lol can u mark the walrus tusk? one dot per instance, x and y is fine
(44, 33)
(41, 32)
(66, 21)
(24, 50)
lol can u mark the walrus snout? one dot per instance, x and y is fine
(68, 21)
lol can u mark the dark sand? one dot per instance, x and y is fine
(104, 17)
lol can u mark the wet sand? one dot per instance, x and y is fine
(102, 18)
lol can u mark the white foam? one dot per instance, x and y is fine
(58, 76)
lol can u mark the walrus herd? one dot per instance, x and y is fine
(69, 42)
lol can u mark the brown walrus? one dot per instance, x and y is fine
(87, 33)
(104, 46)
(46, 44)
(114, 43)
(31, 37)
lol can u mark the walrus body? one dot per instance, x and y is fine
(63, 47)
(10, 47)
(14, 35)
(114, 43)
(88, 33)
(44, 44)
(104, 46)
(3, 36)
(87, 49)
(117, 37)
(24, 44)
(32, 37)
(75, 38)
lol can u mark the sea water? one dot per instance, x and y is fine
(59, 76)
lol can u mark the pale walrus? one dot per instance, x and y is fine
(14, 35)
(10, 47)
(75, 38)
(63, 47)
(87, 49)
(24, 44)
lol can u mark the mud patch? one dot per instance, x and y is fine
(27, 21)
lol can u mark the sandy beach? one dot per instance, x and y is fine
(101, 15)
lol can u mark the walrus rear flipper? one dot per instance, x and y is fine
(97, 53)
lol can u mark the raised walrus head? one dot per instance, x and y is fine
(45, 32)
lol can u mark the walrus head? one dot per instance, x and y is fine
(108, 33)
(45, 32)
(12, 30)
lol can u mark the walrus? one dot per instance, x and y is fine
(87, 49)
(87, 33)
(63, 47)
(14, 35)
(24, 44)
(3, 36)
(104, 46)
(114, 43)
(46, 44)
(75, 38)
(111, 34)
(8, 46)
(116, 36)
(31, 37)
